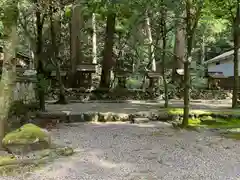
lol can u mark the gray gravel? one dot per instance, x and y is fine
(151, 151)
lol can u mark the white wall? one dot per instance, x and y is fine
(226, 67)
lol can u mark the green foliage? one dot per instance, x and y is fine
(27, 134)
(230, 112)
(215, 122)
(233, 133)
(43, 82)
(67, 11)
(9, 11)
(222, 9)
(130, 44)
(8, 15)
(19, 108)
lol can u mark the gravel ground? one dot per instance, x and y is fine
(152, 151)
(135, 106)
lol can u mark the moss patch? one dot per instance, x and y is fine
(195, 121)
(12, 170)
(6, 159)
(235, 136)
(10, 165)
(215, 123)
(27, 134)
(179, 111)
(227, 120)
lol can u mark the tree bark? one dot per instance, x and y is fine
(191, 25)
(189, 34)
(108, 61)
(94, 39)
(94, 44)
(236, 36)
(164, 44)
(150, 41)
(76, 54)
(40, 67)
(55, 37)
(151, 56)
(179, 50)
(202, 50)
(9, 63)
(186, 94)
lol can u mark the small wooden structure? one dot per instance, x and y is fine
(122, 76)
(153, 78)
(54, 79)
(84, 75)
(218, 80)
(23, 60)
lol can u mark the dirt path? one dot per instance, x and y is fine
(141, 152)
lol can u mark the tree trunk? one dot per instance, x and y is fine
(9, 64)
(164, 44)
(94, 45)
(76, 54)
(108, 61)
(163, 75)
(186, 92)
(186, 83)
(55, 36)
(236, 36)
(151, 56)
(94, 39)
(203, 50)
(191, 25)
(150, 41)
(40, 69)
(179, 50)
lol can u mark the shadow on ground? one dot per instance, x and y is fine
(133, 106)
(143, 151)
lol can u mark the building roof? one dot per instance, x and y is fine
(216, 75)
(18, 54)
(221, 57)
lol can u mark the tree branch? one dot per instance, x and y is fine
(196, 19)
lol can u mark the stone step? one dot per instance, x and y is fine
(138, 120)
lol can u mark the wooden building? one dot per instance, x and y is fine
(220, 70)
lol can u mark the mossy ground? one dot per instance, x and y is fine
(179, 111)
(7, 166)
(6, 159)
(25, 135)
(12, 170)
(208, 121)
(10, 165)
(216, 123)
(232, 135)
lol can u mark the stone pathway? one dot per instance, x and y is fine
(134, 106)
(152, 151)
